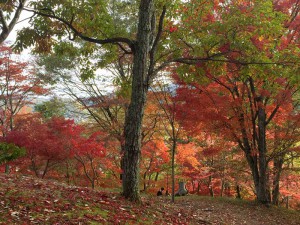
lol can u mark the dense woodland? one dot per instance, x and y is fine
(155, 92)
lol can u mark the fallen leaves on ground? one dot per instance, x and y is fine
(27, 200)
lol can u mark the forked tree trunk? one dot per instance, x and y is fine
(135, 112)
(258, 161)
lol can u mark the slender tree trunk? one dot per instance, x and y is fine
(210, 186)
(68, 172)
(193, 185)
(156, 176)
(145, 184)
(34, 168)
(238, 192)
(149, 179)
(135, 112)
(7, 168)
(222, 187)
(198, 187)
(278, 162)
(45, 169)
(173, 170)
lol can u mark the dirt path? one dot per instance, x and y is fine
(223, 211)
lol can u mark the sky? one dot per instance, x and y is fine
(26, 56)
(21, 24)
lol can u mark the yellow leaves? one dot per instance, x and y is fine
(187, 154)
(44, 45)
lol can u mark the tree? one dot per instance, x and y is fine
(172, 128)
(10, 152)
(57, 140)
(52, 108)
(86, 151)
(251, 80)
(141, 72)
(18, 87)
(283, 139)
(9, 16)
(45, 145)
(153, 161)
(233, 110)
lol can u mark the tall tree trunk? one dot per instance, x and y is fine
(262, 190)
(135, 112)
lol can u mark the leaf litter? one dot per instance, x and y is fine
(28, 200)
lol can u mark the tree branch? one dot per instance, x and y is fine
(155, 43)
(272, 115)
(115, 40)
(6, 29)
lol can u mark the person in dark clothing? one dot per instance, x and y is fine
(160, 192)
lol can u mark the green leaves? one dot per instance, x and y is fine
(53, 107)
(9, 152)
(87, 72)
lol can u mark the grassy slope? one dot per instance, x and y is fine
(26, 200)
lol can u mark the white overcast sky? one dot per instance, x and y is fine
(12, 36)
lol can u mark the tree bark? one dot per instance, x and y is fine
(7, 28)
(257, 158)
(278, 162)
(262, 192)
(135, 112)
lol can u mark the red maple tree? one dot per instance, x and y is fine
(18, 87)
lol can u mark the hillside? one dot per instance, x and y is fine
(27, 200)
